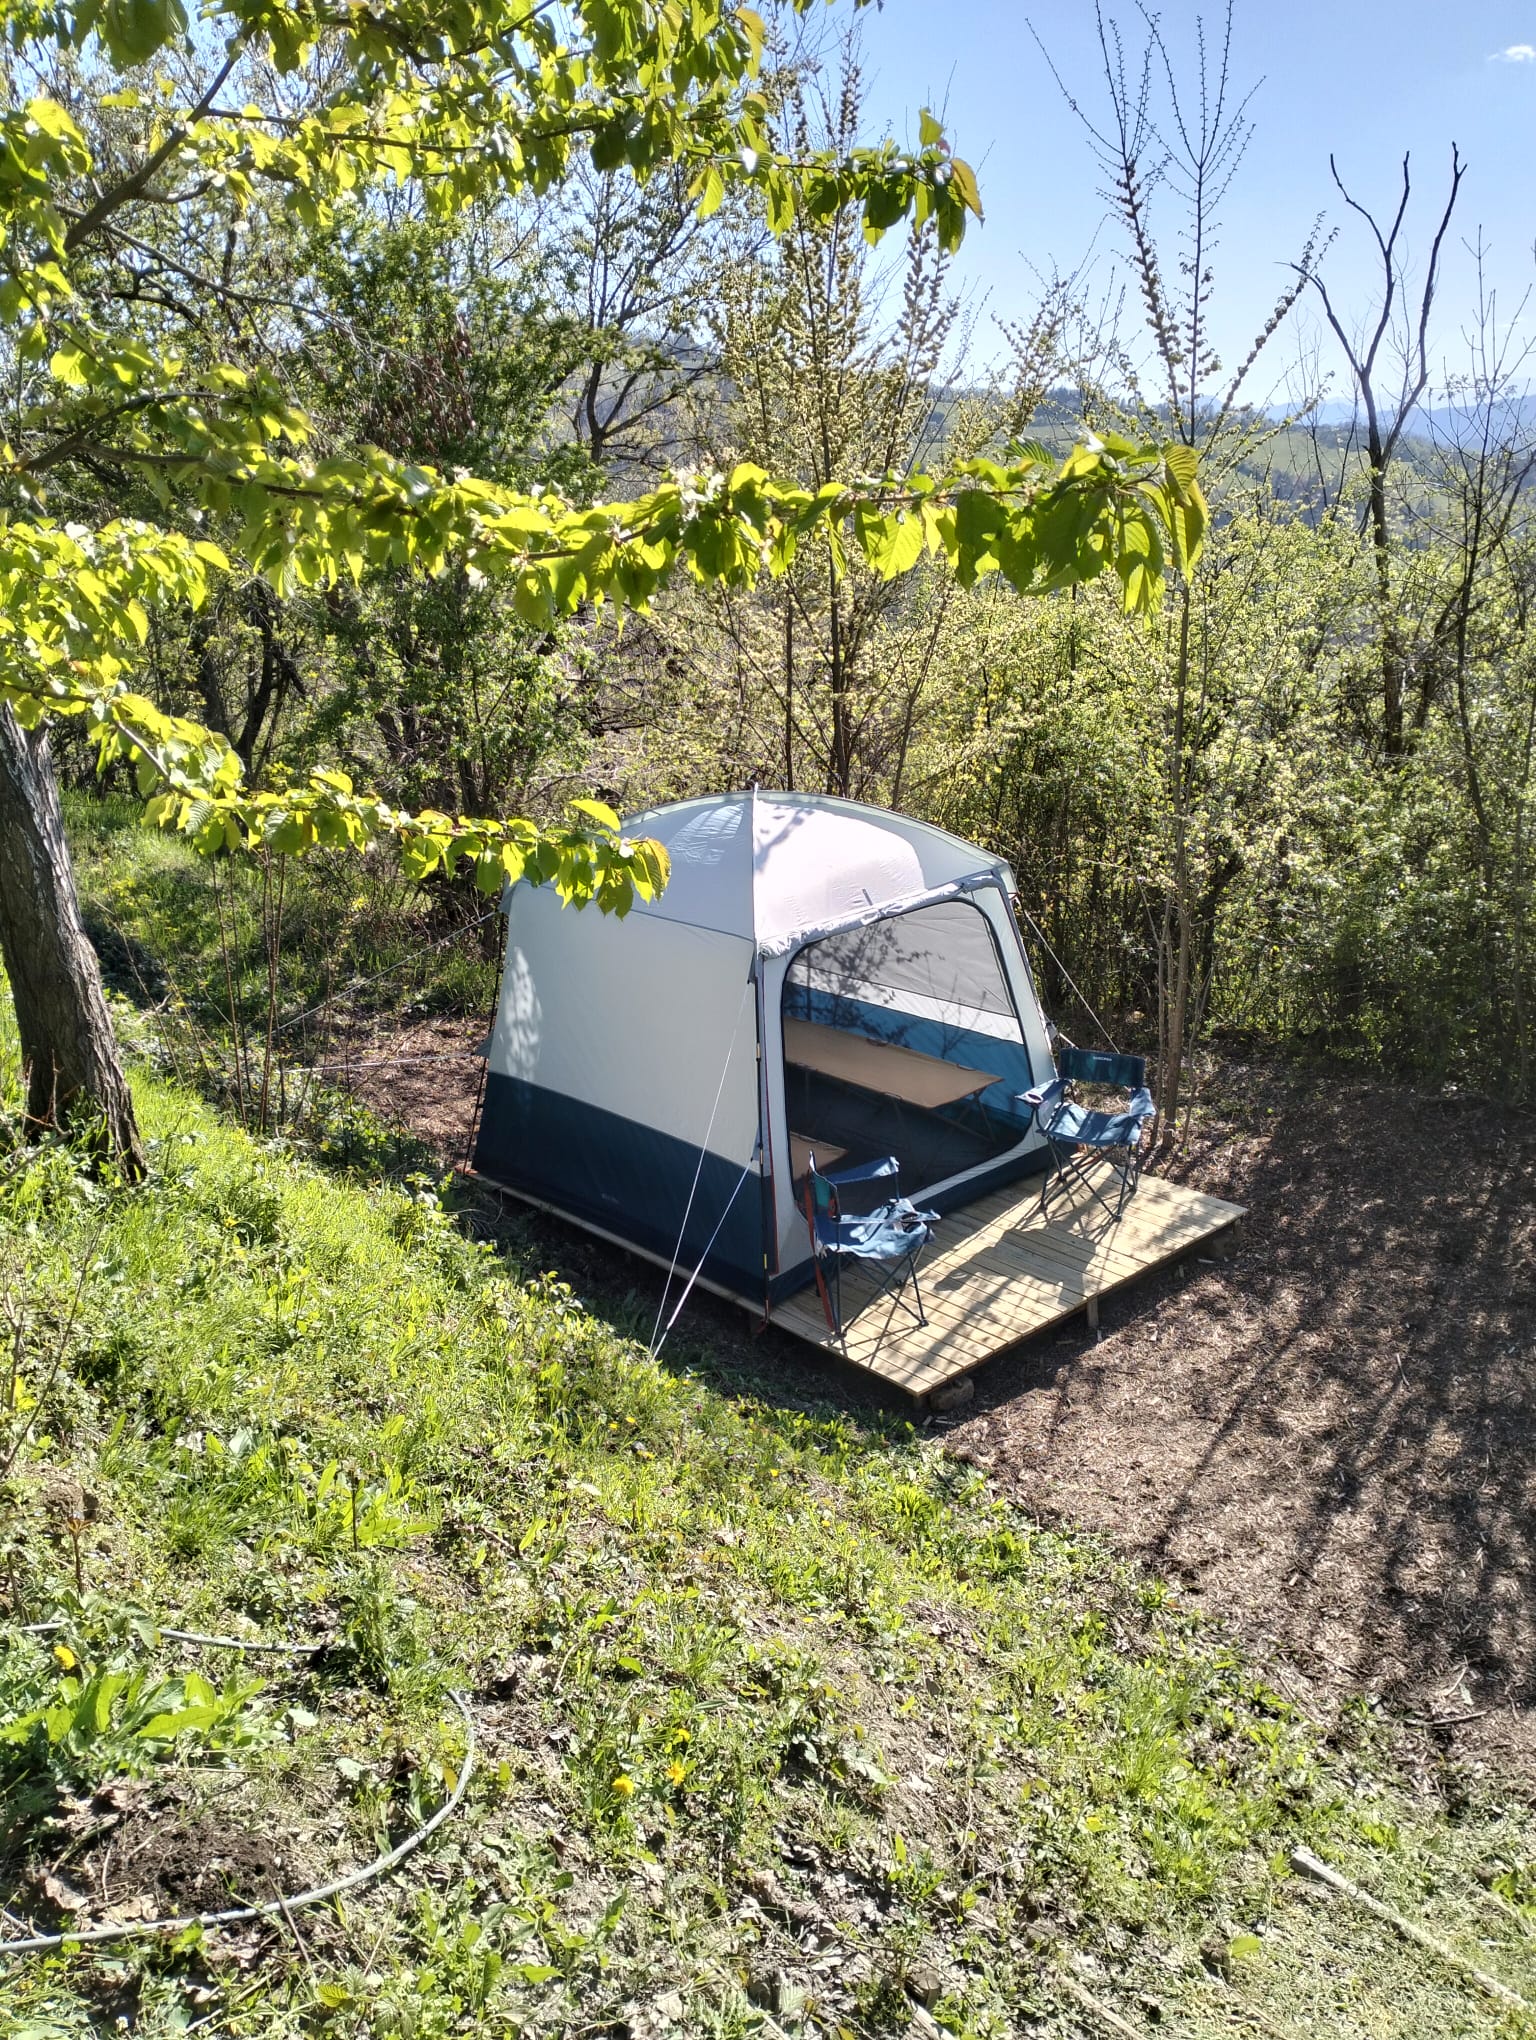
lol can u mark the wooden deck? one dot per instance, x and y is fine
(997, 1273)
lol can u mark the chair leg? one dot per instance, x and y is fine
(922, 1315)
(1056, 1170)
(890, 1287)
(1130, 1177)
(824, 1291)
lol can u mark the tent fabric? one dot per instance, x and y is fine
(599, 1009)
(937, 961)
(635, 1064)
(780, 866)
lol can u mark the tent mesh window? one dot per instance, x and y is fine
(931, 982)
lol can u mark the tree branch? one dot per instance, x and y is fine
(134, 184)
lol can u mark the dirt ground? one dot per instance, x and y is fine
(1328, 1441)
(425, 1077)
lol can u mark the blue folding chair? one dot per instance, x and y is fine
(888, 1239)
(1080, 1135)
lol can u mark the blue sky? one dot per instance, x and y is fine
(1364, 79)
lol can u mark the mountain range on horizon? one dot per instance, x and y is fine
(1516, 412)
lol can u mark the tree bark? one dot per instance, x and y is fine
(68, 1049)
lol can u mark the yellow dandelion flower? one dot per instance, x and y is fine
(624, 1785)
(676, 1772)
(65, 1657)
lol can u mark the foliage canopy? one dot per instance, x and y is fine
(147, 140)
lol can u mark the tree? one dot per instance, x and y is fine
(1388, 414)
(639, 270)
(287, 105)
(1189, 143)
(827, 383)
(67, 1046)
(444, 343)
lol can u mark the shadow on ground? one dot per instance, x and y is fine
(1329, 1440)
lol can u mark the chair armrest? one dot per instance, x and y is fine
(1141, 1105)
(1047, 1094)
(905, 1212)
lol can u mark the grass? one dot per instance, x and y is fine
(787, 1725)
(328, 952)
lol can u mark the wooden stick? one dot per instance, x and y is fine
(1106, 2015)
(1308, 1865)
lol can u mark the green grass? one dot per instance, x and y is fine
(352, 947)
(787, 1724)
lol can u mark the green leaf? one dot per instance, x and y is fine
(133, 30)
(166, 1727)
(599, 812)
(712, 191)
(1182, 463)
(930, 130)
(904, 547)
(964, 178)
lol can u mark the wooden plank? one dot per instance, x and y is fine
(979, 1328)
(999, 1272)
(980, 1334)
(934, 1354)
(1054, 1242)
(987, 1303)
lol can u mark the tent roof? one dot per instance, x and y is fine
(772, 866)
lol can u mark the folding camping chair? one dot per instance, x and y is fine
(1079, 1135)
(889, 1238)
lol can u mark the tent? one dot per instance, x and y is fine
(817, 976)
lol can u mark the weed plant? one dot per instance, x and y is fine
(258, 980)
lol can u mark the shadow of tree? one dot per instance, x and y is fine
(1331, 1437)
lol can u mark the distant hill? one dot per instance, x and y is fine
(1447, 421)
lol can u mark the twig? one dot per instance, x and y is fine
(299, 1941)
(1283, 1680)
(52, 1627)
(1509, 1912)
(1106, 2015)
(1250, 2014)
(1307, 1865)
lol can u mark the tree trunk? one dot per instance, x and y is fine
(68, 1049)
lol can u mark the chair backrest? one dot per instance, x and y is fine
(1102, 1066)
(871, 1185)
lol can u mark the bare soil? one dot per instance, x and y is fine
(1328, 1441)
(174, 1870)
(127, 1855)
(424, 1077)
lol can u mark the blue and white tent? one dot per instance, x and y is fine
(638, 1079)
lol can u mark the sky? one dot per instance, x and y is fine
(1364, 79)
